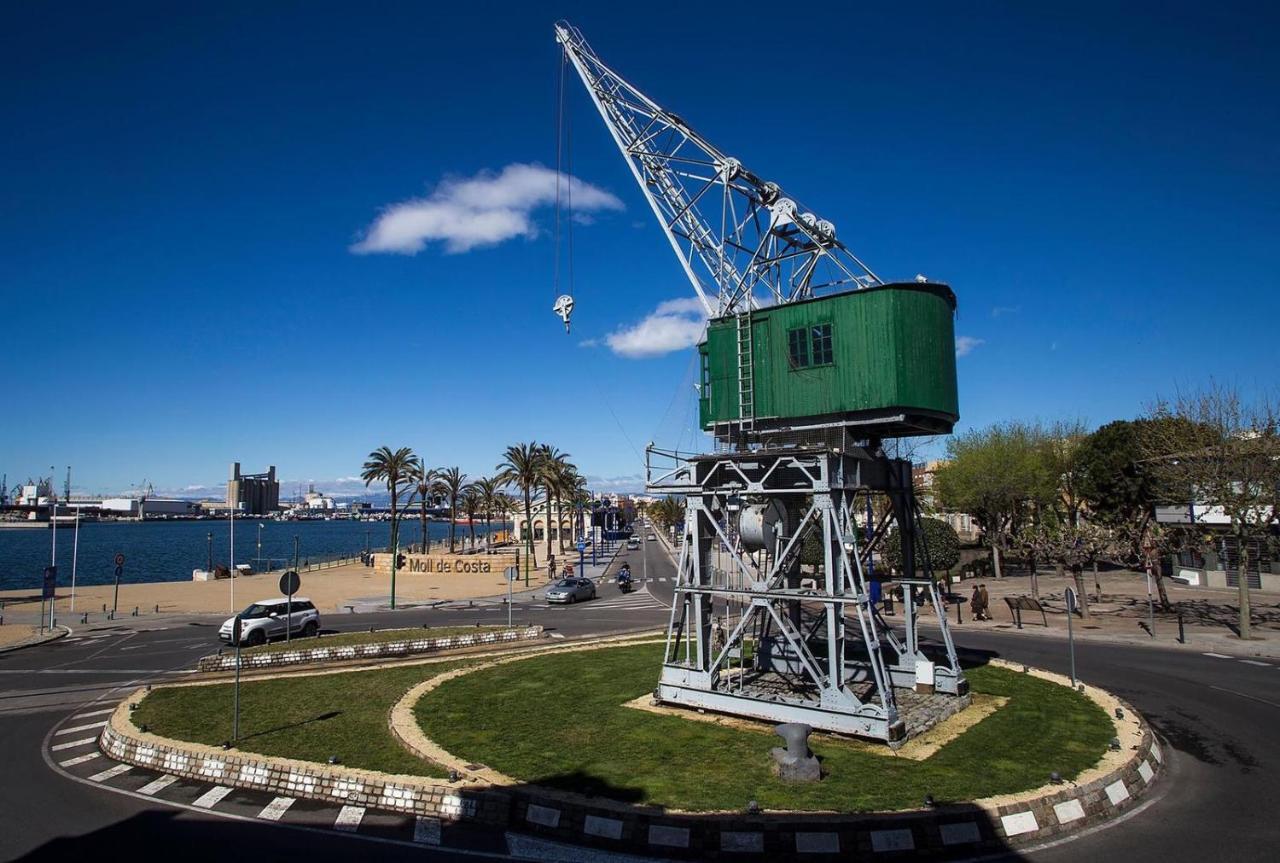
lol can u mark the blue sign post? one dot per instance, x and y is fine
(582, 561)
(48, 588)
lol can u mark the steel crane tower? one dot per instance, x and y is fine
(750, 634)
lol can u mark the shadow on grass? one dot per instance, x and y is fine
(332, 714)
(588, 785)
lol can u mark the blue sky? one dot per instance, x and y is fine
(187, 188)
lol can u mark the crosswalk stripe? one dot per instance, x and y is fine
(1256, 662)
(210, 798)
(110, 774)
(155, 786)
(275, 810)
(426, 831)
(92, 713)
(89, 727)
(349, 819)
(72, 762)
(58, 747)
(1216, 655)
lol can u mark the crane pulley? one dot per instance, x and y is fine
(741, 241)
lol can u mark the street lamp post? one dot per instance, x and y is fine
(209, 565)
(259, 545)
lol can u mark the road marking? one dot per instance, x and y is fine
(349, 819)
(210, 798)
(155, 786)
(111, 774)
(89, 727)
(58, 747)
(1256, 662)
(1218, 655)
(275, 810)
(93, 713)
(426, 831)
(1246, 695)
(72, 762)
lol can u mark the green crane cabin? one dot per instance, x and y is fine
(880, 359)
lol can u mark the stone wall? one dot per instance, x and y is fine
(316, 652)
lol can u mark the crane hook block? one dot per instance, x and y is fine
(564, 308)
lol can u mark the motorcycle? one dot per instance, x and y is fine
(624, 581)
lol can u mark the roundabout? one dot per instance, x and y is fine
(551, 743)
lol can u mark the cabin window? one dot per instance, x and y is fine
(798, 343)
(704, 391)
(810, 346)
(821, 344)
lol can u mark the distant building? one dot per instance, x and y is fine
(922, 476)
(253, 493)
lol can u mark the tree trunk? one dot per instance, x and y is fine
(1035, 579)
(995, 560)
(528, 532)
(1082, 598)
(488, 529)
(1157, 573)
(1097, 585)
(426, 545)
(1243, 568)
(453, 521)
(395, 544)
(546, 497)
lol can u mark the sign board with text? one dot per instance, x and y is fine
(447, 564)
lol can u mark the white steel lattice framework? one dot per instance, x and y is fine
(740, 239)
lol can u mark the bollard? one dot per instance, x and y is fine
(157, 608)
(959, 605)
(84, 618)
(104, 608)
(1182, 634)
(135, 611)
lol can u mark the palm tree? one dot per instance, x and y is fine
(520, 467)
(393, 469)
(452, 481)
(423, 479)
(487, 488)
(550, 467)
(471, 506)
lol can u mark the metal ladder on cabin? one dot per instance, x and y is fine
(746, 374)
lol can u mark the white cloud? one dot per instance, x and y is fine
(674, 325)
(484, 210)
(966, 344)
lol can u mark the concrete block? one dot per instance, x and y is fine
(817, 843)
(1117, 793)
(1145, 771)
(742, 841)
(543, 816)
(892, 840)
(961, 833)
(1156, 753)
(671, 837)
(606, 828)
(1019, 823)
(1068, 811)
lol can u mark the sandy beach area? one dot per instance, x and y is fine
(330, 589)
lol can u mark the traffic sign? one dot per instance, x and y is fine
(289, 583)
(119, 571)
(119, 559)
(1071, 601)
(582, 546)
(513, 573)
(50, 582)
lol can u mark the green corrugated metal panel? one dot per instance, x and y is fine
(894, 351)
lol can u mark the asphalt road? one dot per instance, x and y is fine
(1217, 715)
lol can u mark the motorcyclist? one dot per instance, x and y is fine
(624, 577)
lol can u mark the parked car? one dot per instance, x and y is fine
(571, 590)
(265, 620)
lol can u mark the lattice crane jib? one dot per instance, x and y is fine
(741, 240)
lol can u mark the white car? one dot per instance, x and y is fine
(265, 620)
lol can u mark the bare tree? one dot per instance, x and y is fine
(1225, 462)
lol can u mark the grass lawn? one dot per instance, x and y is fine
(558, 720)
(309, 718)
(348, 639)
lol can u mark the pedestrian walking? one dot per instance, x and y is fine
(986, 602)
(975, 604)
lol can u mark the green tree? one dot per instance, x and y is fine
(1231, 463)
(997, 475)
(552, 464)
(423, 480)
(470, 502)
(488, 488)
(940, 541)
(452, 481)
(521, 467)
(394, 469)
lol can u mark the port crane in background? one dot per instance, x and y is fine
(789, 305)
